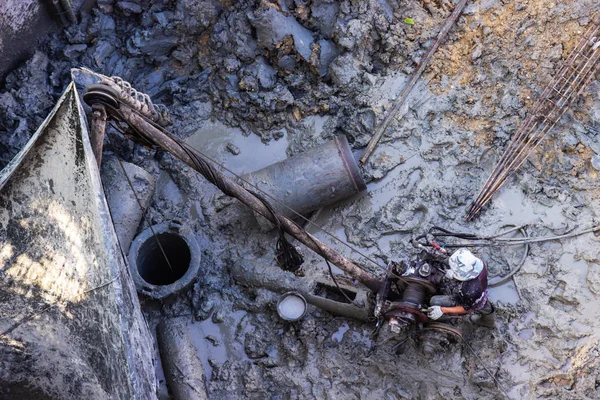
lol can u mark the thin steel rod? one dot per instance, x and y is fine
(413, 81)
(533, 142)
(570, 82)
(537, 111)
(525, 150)
(523, 131)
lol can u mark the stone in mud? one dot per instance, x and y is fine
(74, 50)
(272, 27)
(195, 16)
(102, 51)
(254, 346)
(163, 18)
(287, 63)
(344, 70)
(104, 25)
(265, 73)
(159, 46)
(353, 35)
(324, 16)
(328, 53)
(596, 162)
(128, 7)
(233, 149)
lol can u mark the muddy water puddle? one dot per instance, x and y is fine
(213, 139)
(217, 343)
(506, 293)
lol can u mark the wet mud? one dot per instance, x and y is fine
(250, 83)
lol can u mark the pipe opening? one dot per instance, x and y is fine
(151, 263)
(332, 293)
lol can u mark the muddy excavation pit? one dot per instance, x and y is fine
(251, 83)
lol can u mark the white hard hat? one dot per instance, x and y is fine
(465, 265)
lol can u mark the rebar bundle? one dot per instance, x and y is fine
(572, 79)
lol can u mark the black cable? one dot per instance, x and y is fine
(286, 255)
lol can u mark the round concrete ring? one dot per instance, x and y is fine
(178, 234)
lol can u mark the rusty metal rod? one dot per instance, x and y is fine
(569, 83)
(413, 81)
(97, 130)
(528, 143)
(184, 152)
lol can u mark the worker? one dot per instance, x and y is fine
(466, 288)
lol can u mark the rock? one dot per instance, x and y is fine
(353, 34)
(555, 53)
(324, 15)
(272, 27)
(328, 53)
(254, 346)
(128, 8)
(596, 162)
(265, 74)
(102, 51)
(231, 64)
(74, 50)
(233, 149)
(287, 63)
(159, 46)
(477, 52)
(195, 16)
(343, 70)
(163, 18)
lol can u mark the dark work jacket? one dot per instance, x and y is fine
(472, 294)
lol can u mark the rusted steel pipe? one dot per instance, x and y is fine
(183, 151)
(97, 131)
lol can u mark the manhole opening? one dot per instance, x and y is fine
(151, 263)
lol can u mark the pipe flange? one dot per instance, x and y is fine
(151, 274)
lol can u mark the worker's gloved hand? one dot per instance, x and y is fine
(449, 273)
(435, 312)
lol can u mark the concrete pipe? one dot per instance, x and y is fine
(180, 361)
(152, 274)
(319, 292)
(310, 180)
(124, 207)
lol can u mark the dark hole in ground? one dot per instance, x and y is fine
(333, 293)
(151, 263)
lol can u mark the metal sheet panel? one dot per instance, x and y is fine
(70, 321)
